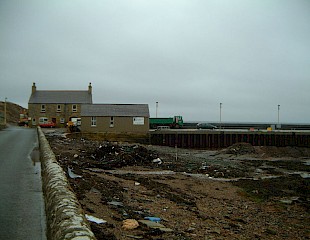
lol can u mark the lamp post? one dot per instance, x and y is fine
(278, 114)
(221, 115)
(5, 111)
(156, 108)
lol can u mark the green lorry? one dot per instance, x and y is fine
(170, 122)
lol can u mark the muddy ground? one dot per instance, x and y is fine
(242, 192)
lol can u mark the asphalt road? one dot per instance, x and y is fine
(21, 200)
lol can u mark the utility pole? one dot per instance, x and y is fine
(5, 111)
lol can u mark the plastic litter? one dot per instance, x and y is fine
(153, 219)
(157, 160)
(115, 203)
(72, 174)
(94, 219)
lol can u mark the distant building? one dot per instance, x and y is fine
(115, 118)
(57, 107)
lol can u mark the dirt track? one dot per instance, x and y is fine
(242, 192)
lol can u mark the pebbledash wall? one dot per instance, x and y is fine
(120, 125)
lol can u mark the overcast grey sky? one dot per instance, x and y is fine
(189, 55)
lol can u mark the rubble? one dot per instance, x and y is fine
(224, 194)
(111, 156)
(240, 149)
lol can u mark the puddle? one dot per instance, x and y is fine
(303, 174)
(307, 162)
(35, 158)
(122, 172)
(206, 176)
(268, 177)
(35, 155)
(198, 175)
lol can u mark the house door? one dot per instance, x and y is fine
(54, 120)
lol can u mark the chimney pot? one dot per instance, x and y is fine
(89, 88)
(34, 88)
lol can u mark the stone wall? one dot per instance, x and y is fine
(51, 112)
(64, 215)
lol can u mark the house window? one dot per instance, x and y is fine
(93, 121)
(58, 108)
(74, 108)
(62, 120)
(43, 108)
(112, 122)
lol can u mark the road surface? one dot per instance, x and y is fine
(21, 200)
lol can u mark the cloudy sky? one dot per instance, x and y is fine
(188, 55)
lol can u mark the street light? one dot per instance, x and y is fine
(278, 114)
(221, 115)
(5, 111)
(156, 108)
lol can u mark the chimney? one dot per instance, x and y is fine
(89, 88)
(34, 88)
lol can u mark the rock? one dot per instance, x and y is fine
(155, 225)
(190, 229)
(270, 231)
(241, 220)
(215, 230)
(286, 201)
(135, 237)
(240, 148)
(151, 224)
(130, 224)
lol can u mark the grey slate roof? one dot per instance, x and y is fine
(71, 97)
(115, 110)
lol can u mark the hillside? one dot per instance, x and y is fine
(13, 111)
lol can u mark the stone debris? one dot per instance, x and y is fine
(240, 149)
(130, 224)
(155, 225)
(111, 156)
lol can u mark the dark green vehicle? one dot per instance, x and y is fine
(171, 122)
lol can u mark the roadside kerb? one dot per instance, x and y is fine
(64, 215)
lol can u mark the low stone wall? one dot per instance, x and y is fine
(64, 215)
